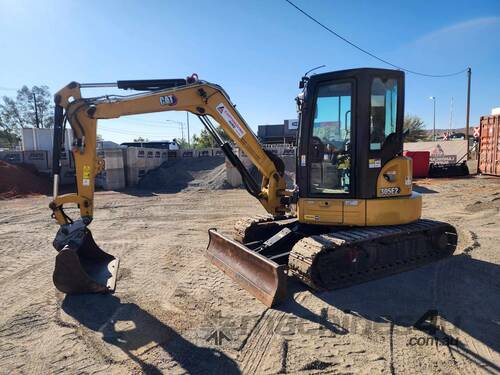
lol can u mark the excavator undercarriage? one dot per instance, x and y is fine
(324, 258)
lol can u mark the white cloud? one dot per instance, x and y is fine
(459, 29)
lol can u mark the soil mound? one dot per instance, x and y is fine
(19, 180)
(187, 174)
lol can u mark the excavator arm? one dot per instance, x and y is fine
(204, 99)
(83, 267)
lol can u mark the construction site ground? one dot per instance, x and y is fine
(173, 312)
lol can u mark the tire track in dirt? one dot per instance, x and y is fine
(23, 256)
(32, 343)
(470, 356)
(259, 341)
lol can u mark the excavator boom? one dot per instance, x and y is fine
(81, 266)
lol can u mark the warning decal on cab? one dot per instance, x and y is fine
(228, 117)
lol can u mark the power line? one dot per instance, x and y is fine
(369, 53)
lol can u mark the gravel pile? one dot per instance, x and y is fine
(187, 174)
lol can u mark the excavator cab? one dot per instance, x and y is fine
(356, 215)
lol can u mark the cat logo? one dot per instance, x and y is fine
(169, 100)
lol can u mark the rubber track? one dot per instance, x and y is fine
(378, 252)
(260, 227)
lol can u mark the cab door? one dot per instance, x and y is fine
(329, 152)
(330, 141)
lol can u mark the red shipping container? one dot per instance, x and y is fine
(489, 147)
(420, 162)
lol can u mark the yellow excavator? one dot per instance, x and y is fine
(352, 216)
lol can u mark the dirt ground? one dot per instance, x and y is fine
(173, 312)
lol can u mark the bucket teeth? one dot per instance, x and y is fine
(82, 266)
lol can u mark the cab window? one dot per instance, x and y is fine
(331, 134)
(383, 111)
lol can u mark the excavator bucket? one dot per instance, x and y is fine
(81, 266)
(263, 278)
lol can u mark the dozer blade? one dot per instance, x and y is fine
(263, 278)
(82, 267)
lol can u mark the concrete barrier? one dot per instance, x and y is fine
(34, 139)
(113, 175)
(204, 152)
(281, 149)
(173, 154)
(66, 159)
(157, 159)
(233, 176)
(135, 160)
(13, 157)
(139, 160)
(218, 152)
(40, 159)
(150, 159)
(188, 153)
(67, 176)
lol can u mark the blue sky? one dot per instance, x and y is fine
(257, 50)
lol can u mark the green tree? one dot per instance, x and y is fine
(205, 140)
(141, 139)
(182, 143)
(19, 113)
(415, 127)
(8, 139)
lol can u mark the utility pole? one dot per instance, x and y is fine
(433, 98)
(451, 115)
(181, 125)
(469, 73)
(187, 120)
(36, 112)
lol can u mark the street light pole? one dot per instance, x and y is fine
(181, 124)
(451, 115)
(469, 72)
(187, 120)
(434, 121)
